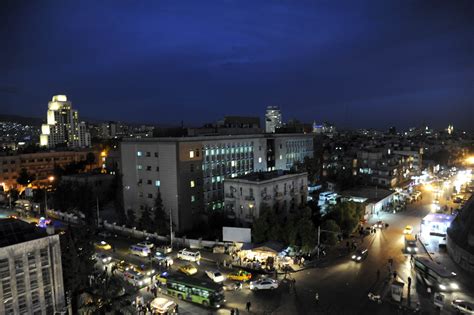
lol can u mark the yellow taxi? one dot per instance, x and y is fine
(240, 275)
(408, 229)
(188, 269)
(103, 245)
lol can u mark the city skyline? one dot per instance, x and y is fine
(163, 63)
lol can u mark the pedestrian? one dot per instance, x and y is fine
(409, 283)
(394, 274)
(247, 306)
(302, 262)
(176, 309)
(232, 312)
(236, 311)
(317, 298)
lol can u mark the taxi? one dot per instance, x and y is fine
(188, 269)
(103, 245)
(240, 275)
(408, 229)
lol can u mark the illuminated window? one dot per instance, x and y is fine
(192, 184)
(139, 153)
(259, 160)
(193, 198)
(157, 183)
(191, 154)
(139, 167)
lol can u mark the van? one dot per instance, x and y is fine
(136, 278)
(138, 250)
(186, 254)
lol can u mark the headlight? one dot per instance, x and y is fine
(353, 256)
(416, 249)
(409, 249)
(140, 283)
(442, 287)
(104, 260)
(218, 305)
(359, 258)
(153, 271)
(454, 286)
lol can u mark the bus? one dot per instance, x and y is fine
(200, 291)
(434, 275)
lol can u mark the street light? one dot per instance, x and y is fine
(50, 179)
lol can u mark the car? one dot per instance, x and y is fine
(149, 272)
(103, 245)
(216, 276)
(360, 254)
(142, 251)
(408, 229)
(264, 284)
(162, 306)
(240, 275)
(162, 258)
(136, 279)
(122, 266)
(188, 269)
(103, 258)
(379, 225)
(463, 307)
(186, 254)
(148, 244)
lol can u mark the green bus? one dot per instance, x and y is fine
(201, 291)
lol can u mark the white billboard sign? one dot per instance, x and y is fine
(239, 235)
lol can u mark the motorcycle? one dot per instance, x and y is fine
(374, 298)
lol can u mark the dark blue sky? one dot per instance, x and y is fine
(354, 63)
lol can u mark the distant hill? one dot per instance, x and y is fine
(34, 121)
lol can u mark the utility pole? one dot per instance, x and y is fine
(319, 238)
(98, 219)
(171, 230)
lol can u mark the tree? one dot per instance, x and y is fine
(347, 215)
(117, 196)
(131, 217)
(90, 160)
(311, 165)
(306, 231)
(24, 178)
(145, 222)
(261, 226)
(160, 216)
(76, 255)
(330, 225)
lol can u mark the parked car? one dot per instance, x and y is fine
(103, 245)
(240, 275)
(188, 269)
(379, 225)
(360, 254)
(463, 307)
(149, 272)
(136, 279)
(216, 276)
(264, 284)
(162, 306)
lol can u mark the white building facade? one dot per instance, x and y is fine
(63, 126)
(31, 280)
(245, 195)
(190, 172)
(272, 119)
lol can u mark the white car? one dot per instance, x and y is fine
(463, 307)
(103, 258)
(162, 305)
(216, 276)
(146, 244)
(162, 258)
(264, 284)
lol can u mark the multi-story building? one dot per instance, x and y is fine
(245, 195)
(40, 164)
(190, 171)
(272, 119)
(31, 278)
(63, 127)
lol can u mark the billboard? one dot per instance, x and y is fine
(239, 235)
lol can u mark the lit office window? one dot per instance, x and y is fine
(139, 153)
(191, 154)
(157, 183)
(193, 198)
(139, 167)
(192, 184)
(259, 160)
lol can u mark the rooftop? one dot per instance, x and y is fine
(14, 231)
(264, 176)
(369, 192)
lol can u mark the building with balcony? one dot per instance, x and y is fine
(245, 195)
(190, 172)
(31, 278)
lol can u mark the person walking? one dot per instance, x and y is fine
(232, 312)
(248, 306)
(317, 298)
(237, 311)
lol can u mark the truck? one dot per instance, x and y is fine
(410, 244)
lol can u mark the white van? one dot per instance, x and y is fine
(186, 254)
(136, 279)
(142, 251)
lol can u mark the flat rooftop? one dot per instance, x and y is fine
(216, 137)
(14, 231)
(370, 193)
(264, 176)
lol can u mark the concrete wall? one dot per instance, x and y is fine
(463, 258)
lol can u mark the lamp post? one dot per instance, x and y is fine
(50, 179)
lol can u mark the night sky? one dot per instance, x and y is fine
(353, 63)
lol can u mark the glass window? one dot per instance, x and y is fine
(148, 168)
(4, 268)
(192, 184)
(156, 154)
(148, 182)
(46, 276)
(191, 154)
(139, 167)
(148, 154)
(193, 198)
(157, 183)
(44, 256)
(139, 153)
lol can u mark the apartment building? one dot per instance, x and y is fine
(39, 164)
(245, 195)
(31, 279)
(189, 172)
